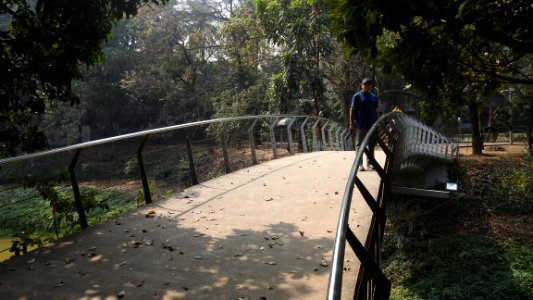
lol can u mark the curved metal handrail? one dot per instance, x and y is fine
(60, 163)
(335, 281)
(394, 134)
(145, 133)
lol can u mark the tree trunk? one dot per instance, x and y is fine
(477, 141)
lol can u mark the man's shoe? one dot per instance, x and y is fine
(361, 168)
(370, 167)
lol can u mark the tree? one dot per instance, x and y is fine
(43, 45)
(179, 60)
(451, 51)
(300, 31)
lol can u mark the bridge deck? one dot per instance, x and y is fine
(265, 232)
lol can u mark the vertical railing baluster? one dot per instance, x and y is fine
(251, 137)
(144, 179)
(316, 137)
(225, 150)
(192, 168)
(273, 138)
(324, 137)
(289, 135)
(302, 133)
(76, 190)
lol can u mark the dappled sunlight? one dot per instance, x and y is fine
(270, 236)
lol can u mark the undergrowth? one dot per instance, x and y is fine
(478, 247)
(31, 220)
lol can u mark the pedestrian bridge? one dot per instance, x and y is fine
(269, 229)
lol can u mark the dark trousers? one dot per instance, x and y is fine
(359, 137)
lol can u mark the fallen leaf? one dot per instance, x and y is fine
(324, 263)
(68, 260)
(150, 214)
(170, 248)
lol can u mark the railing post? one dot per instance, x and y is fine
(192, 168)
(144, 179)
(252, 141)
(76, 190)
(316, 140)
(273, 138)
(289, 136)
(370, 266)
(347, 140)
(302, 133)
(225, 150)
(324, 137)
(331, 137)
(338, 140)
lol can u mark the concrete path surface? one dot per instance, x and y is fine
(265, 232)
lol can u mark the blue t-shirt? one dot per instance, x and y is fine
(365, 109)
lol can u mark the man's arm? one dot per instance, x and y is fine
(353, 126)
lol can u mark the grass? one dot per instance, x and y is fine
(24, 211)
(479, 247)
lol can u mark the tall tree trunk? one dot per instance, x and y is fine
(477, 141)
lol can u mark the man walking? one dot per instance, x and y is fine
(363, 114)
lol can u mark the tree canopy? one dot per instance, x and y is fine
(453, 52)
(433, 43)
(43, 44)
(197, 59)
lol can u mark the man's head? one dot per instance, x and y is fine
(366, 85)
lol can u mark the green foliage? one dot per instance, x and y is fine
(139, 199)
(302, 31)
(459, 267)
(426, 258)
(25, 239)
(514, 194)
(448, 50)
(35, 220)
(42, 46)
(437, 250)
(131, 166)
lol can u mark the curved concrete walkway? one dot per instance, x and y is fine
(265, 232)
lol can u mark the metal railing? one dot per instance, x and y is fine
(402, 139)
(118, 173)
